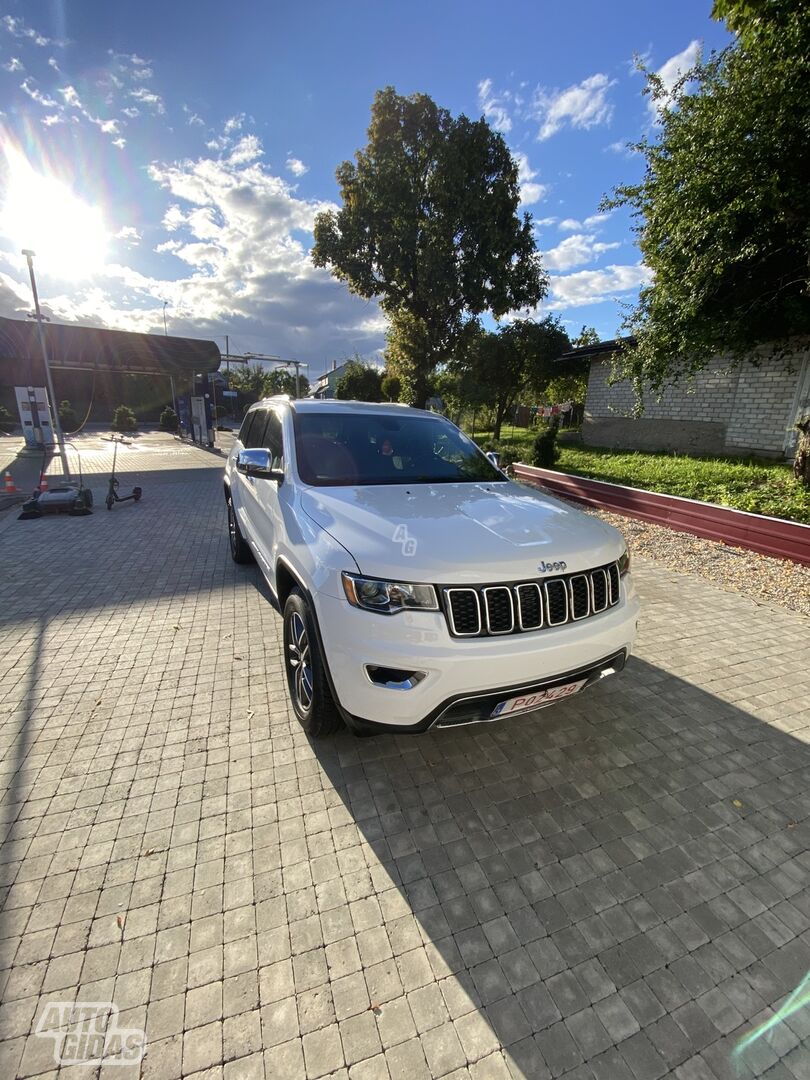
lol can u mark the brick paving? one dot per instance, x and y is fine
(616, 888)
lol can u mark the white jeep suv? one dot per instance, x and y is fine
(419, 586)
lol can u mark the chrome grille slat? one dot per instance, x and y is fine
(579, 595)
(556, 602)
(463, 616)
(520, 607)
(499, 610)
(600, 590)
(530, 606)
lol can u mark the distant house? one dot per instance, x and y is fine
(326, 384)
(744, 409)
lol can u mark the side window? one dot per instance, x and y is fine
(245, 428)
(274, 441)
(255, 437)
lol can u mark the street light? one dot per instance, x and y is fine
(57, 427)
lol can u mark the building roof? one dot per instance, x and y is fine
(90, 348)
(599, 350)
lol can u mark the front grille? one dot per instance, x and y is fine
(489, 610)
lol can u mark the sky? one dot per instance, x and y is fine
(168, 159)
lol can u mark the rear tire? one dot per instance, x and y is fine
(240, 549)
(307, 684)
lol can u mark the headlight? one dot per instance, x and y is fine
(624, 562)
(388, 597)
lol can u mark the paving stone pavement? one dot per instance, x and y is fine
(616, 888)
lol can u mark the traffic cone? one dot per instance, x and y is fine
(9, 487)
(43, 482)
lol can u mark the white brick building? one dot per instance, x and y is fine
(725, 409)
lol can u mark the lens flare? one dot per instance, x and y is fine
(41, 212)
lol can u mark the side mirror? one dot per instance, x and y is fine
(258, 464)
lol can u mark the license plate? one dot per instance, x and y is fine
(536, 700)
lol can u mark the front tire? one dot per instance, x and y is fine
(307, 684)
(240, 549)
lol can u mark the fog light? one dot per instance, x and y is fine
(393, 678)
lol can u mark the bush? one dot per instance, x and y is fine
(546, 451)
(124, 419)
(169, 420)
(67, 417)
(801, 462)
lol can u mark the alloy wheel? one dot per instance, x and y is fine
(300, 662)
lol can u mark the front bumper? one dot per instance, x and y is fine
(463, 678)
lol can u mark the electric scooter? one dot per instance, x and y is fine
(112, 491)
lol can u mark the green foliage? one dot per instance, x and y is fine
(67, 416)
(761, 487)
(391, 387)
(124, 419)
(586, 336)
(570, 387)
(281, 381)
(7, 421)
(546, 450)
(250, 380)
(724, 204)
(520, 358)
(748, 18)
(255, 381)
(359, 381)
(430, 224)
(169, 420)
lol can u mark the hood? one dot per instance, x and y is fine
(460, 533)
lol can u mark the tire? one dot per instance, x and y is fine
(307, 684)
(240, 548)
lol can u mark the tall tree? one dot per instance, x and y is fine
(430, 225)
(519, 359)
(359, 381)
(723, 208)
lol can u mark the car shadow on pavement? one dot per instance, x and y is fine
(620, 880)
(22, 677)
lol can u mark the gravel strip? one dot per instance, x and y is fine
(761, 578)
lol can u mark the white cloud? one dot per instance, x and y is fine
(595, 286)
(545, 222)
(671, 72)
(28, 87)
(52, 118)
(148, 97)
(583, 105)
(14, 64)
(575, 250)
(530, 192)
(193, 119)
(596, 220)
(234, 123)
(248, 148)
(53, 64)
(119, 143)
(19, 29)
(569, 224)
(129, 234)
(296, 166)
(493, 107)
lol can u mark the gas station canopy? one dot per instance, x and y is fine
(89, 348)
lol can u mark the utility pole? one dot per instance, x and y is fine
(57, 426)
(171, 377)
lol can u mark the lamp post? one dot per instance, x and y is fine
(54, 411)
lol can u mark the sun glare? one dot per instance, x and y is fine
(42, 213)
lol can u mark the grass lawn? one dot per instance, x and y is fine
(761, 487)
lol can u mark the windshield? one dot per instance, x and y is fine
(340, 449)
